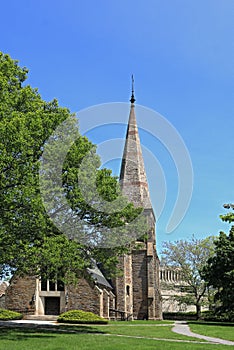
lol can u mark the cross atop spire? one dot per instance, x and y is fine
(132, 97)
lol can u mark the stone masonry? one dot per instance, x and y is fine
(138, 289)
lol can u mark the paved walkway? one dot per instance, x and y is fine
(181, 327)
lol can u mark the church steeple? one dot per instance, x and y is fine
(133, 179)
(132, 100)
(138, 290)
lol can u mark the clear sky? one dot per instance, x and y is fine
(182, 55)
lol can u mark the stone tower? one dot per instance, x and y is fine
(138, 290)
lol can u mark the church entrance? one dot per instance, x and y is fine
(52, 305)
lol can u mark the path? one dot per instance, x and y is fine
(181, 327)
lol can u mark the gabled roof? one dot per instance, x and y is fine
(98, 276)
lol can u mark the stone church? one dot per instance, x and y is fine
(135, 294)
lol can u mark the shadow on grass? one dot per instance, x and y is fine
(23, 333)
(79, 329)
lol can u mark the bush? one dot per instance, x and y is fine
(218, 316)
(179, 315)
(79, 316)
(6, 315)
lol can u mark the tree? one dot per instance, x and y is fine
(190, 256)
(219, 270)
(26, 121)
(30, 241)
(229, 217)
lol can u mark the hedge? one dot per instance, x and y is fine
(7, 315)
(81, 317)
(179, 315)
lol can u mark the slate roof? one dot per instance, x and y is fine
(98, 276)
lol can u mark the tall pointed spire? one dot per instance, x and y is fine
(132, 100)
(138, 290)
(133, 179)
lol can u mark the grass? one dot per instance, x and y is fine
(144, 330)
(211, 329)
(106, 337)
(141, 322)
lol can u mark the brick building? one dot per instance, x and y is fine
(136, 294)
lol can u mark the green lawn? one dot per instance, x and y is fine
(218, 330)
(101, 337)
(143, 330)
(140, 322)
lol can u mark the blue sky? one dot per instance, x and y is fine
(182, 55)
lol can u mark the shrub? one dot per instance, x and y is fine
(218, 316)
(79, 316)
(179, 315)
(6, 315)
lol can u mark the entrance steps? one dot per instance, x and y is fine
(41, 317)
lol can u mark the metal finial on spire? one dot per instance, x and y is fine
(132, 97)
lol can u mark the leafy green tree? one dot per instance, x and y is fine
(219, 270)
(189, 256)
(26, 121)
(30, 237)
(229, 217)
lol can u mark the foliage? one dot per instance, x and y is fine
(211, 315)
(32, 238)
(229, 217)
(189, 256)
(79, 316)
(219, 272)
(7, 315)
(179, 315)
(26, 121)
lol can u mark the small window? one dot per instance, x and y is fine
(44, 285)
(60, 286)
(128, 290)
(52, 286)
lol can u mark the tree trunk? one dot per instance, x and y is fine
(198, 311)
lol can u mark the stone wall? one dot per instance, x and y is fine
(128, 285)
(140, 284)
(119, 285)
(158, 294)
(138, 290)
(106, 303)
(2, 302)
(20, 292)
(24, 294)
(3, 287)
(85, 296)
